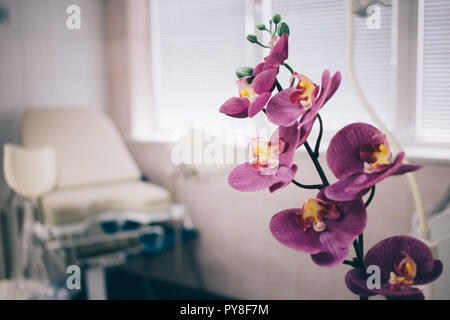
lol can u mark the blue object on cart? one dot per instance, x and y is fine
(150, 240)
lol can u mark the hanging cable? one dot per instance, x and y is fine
(412, 180)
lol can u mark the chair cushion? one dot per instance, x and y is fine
(74, 204)
(88, 147)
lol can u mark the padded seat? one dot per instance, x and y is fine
(96, 172)
(74, 204)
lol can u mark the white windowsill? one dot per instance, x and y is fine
(415, 153)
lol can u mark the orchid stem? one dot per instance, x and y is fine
(289, 68)
(369, 200)
(350, 263)
(306, 186)
(359, 254)
(319, 137)
(279, 87)
(262, 45)
(316, 162)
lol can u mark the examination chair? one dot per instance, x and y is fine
(100, 211)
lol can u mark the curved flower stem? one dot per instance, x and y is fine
(316, 162)
(291, 71)
(358, 244)
(369, 200)
(319, 137)
(262, 45)
(289, 68)
(307, 186)
(279, 87)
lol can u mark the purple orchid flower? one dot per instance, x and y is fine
(360, 157)
(272, 166)
(304, 101)
(278, 54)
(403, 261)
(252, 97)
(323, 228)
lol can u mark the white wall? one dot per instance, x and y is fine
(238, 255)
(42, 63)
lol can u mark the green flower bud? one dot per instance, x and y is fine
(261, 26)
(252, 38)
(283, 29)
(276, 18)
(244, 72)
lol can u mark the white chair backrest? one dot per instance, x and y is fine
(29, 172)
(88, 147)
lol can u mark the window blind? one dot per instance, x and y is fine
(318, 41)
(433, 100)
(200, 43)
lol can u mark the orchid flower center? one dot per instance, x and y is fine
(315, 212)
(265, 155)
(376, 157)
(246, 90)
(305, 91)
(405, 272)
(273, 41)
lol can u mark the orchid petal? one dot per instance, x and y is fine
(330, 259)
(284, 176)
(258, 104)
(285, 229)
(264, 81)
(343, 152)
(281, 111)
(235, 106)
(244, 178)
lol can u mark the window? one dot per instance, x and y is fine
(433, 96)
(198, 44)
(319, 40)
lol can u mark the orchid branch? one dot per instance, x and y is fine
(317, 165)
(262, 45)
(369, 200)
(319, 137)
(288, 67)
(307, 186)
(279, 87)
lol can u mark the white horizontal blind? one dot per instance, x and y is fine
(318, 41)
(433, 104)
(201, 43)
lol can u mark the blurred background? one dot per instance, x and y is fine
(111, 87)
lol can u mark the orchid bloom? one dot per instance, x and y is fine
(403, 261)
(278, 54)
(272, 164)
(322, 227)
(252, 97)
(304, 101)
(360, 157)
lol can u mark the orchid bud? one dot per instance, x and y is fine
(252, 38)
(244, 72)
(261, 26)
(276, 18)
(283, 29)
